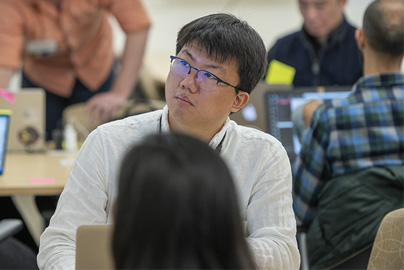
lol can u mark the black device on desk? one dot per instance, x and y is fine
(280, 104)
(270, 110)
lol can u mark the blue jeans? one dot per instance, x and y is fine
(56, 104)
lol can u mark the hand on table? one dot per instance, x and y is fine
(102, 106)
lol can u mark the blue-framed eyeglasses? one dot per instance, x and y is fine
(205, 80)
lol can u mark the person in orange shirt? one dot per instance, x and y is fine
(65, 47)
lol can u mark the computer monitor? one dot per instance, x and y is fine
(279, 105)
(270, 110)
(253, 114)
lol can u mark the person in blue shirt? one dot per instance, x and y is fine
(350, 170)
(324, 51)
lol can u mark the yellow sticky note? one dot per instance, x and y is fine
(280, 73)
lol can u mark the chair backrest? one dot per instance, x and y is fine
(93, 247)
(9, 227)
(388, 248)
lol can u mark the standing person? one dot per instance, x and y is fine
(350, 170)
(65, 47)
(181, 182)
(219, 60)
(324, 51)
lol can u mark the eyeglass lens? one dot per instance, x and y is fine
(182, 68)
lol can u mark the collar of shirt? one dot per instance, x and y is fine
(215, 140)
(337, 36)
(378, 87)
(387, 79)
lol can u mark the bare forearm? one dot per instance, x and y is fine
(309, 109)
(131, 61)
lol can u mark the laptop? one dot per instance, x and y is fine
(4, 130)
(253, 114)
(270, 110)
(279, 105)
(93, 247)
(27, 126)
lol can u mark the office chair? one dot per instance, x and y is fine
(9, 227)
(302, 244)
(388, 248)
(14, 254)
(357, 260)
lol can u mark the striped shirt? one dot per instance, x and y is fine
(81, 31)
(347, 135)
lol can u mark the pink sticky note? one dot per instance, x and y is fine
(38, 181)
(7, 96)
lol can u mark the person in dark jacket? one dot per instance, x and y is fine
(324, 51)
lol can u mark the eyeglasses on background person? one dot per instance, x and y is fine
(205, 80)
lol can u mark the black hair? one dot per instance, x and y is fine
(177, 208)
(383, 26)
(226, 37)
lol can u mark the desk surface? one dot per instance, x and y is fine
(35, 173)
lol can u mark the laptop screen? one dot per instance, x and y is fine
(280, 104)
(4, 127)
(253, 114)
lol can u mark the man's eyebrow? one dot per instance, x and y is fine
(189, 54)
(210, 66)
(216, 67)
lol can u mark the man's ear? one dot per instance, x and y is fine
(360, 39)
(240, 101)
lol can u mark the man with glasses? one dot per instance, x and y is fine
(219, 60)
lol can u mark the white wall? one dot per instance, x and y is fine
(271, 18)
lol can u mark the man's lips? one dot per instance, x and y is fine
(313, 28)
(183, 99)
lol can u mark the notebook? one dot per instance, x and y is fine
(279, 105)
(4, 130)
(27, 126)
(93, 247)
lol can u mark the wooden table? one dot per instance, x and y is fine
(27, 175)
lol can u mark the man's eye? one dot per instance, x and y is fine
(209, 75)
(320, 6)
(184, 63)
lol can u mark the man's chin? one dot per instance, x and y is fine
(314, 32)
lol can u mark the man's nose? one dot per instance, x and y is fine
(190, 81)
(311, 14)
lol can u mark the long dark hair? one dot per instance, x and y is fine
(177, 208)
